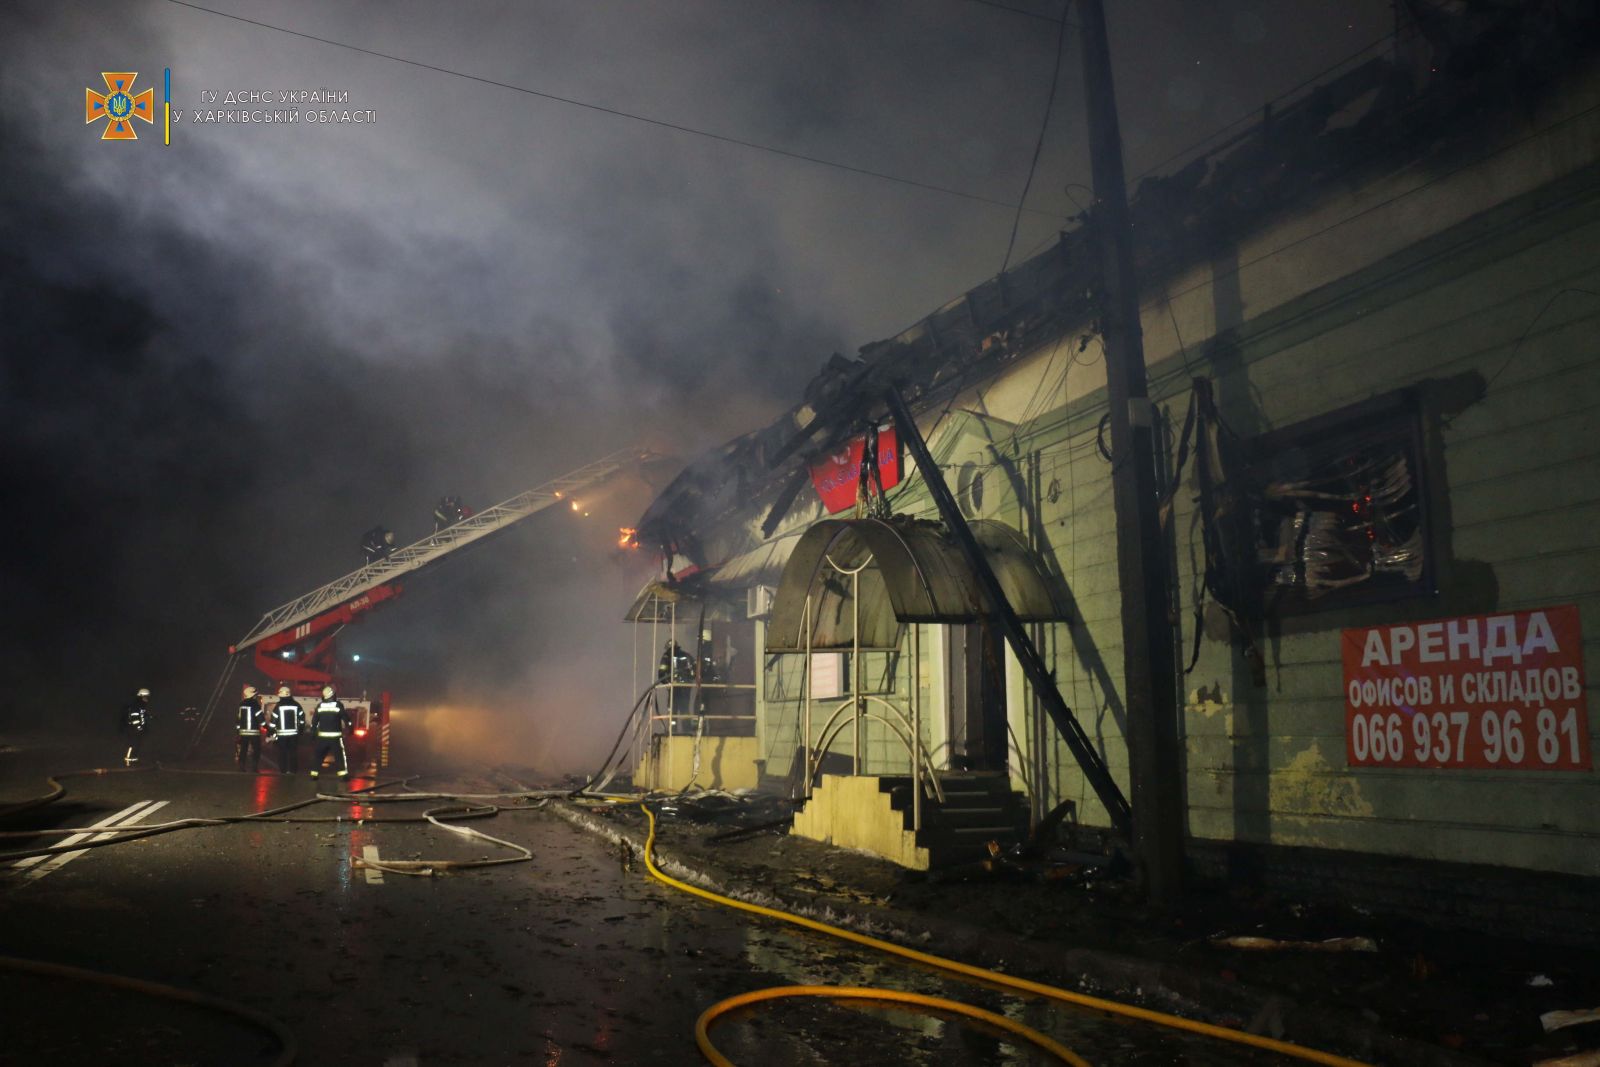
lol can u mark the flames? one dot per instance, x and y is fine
(627, 537)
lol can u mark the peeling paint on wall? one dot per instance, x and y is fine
(1309, 785)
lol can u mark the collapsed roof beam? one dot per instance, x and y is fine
(1000, 613)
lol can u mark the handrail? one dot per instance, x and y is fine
(830, 732)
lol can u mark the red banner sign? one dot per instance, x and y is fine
(838, 476)
(1483, 691)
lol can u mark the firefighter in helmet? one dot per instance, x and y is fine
(329, 722)
(134, 720)
(447, 512)
(252, 723)
(284, 726)
(377, 543)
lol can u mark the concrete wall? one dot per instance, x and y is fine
(1485, 273)
(1478, 274)
(724, 763)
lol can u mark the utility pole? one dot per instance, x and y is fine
(1148, 662)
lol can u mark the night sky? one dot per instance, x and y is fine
(222, 360)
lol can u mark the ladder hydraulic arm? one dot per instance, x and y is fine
(435, 547)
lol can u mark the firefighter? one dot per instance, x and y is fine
(447, 512)
(329, 721)
(675, 665)
(284, 727)
(134, 721)
(377, 543)
(252, 724)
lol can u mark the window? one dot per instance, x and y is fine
(1339, 509)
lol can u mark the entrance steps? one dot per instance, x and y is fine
(874, 814)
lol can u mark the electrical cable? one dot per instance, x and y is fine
(1529, 329)
(618, 112)
(981, 974)
(288, 1048)
(1020, 11)
(1038, 145)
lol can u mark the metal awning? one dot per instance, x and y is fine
(656, 601)
(762, 565)
(913, 573)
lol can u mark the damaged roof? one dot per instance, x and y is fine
(1464, 68)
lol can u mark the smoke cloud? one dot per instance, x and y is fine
(224, 359)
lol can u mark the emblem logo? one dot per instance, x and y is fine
(118, 106)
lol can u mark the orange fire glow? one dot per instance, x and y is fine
(626, 538)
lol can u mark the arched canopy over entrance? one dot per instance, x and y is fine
(911, 571)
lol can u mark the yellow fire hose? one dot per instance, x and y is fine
(1039, 989)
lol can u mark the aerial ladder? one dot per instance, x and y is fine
(295, 643)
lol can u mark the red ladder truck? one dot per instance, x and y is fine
(296, 643)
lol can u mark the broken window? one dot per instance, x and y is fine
(1340, 509)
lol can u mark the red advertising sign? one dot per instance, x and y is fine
(1498, 692)
(838, 476)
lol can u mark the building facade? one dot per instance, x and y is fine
(1389, 295)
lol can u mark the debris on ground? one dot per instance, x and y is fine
(1268, 944)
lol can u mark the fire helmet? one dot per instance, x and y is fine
(283, 690)
(142, 693)
(327, 692)
(249, 691)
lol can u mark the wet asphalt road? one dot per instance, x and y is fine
(574, 958)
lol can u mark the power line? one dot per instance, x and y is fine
(1020, 10)
(619, 113)
(1044, 124)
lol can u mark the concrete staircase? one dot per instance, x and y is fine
(874, 814)
(978, 807)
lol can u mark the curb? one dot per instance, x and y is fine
(1165, 986)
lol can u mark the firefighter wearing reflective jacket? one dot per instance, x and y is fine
(135, 720)
(329, 722)
(252, 724)
(284, 726)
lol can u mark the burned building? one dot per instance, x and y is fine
(1368, 324)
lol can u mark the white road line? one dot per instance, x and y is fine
(374, 876)
(57, 862)
(125, 813)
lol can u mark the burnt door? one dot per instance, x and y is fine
(977, 690)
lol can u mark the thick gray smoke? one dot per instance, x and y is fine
(224, 359)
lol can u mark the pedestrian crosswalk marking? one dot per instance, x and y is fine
(374, 876)
(43, 865)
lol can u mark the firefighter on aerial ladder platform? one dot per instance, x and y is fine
(284, 726)
(252, 724)
(329, 721)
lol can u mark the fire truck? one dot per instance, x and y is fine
(296, 644)
(305, 658)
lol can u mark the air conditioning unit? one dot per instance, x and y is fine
(758, 601)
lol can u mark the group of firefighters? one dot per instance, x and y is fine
(279, 721)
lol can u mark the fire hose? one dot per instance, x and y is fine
(1022, 985)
